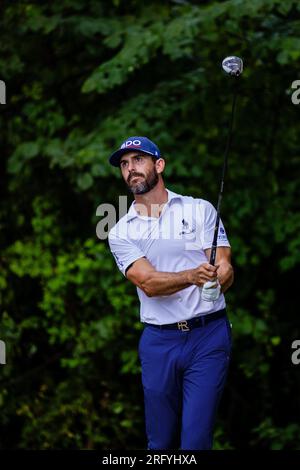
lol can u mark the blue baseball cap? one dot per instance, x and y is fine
(143, 144)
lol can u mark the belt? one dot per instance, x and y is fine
(187, 325)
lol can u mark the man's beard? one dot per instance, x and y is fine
(144, 186)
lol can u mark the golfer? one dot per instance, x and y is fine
(162, 245)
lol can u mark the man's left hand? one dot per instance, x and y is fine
(211, 291)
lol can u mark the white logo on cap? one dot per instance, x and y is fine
(129, 143)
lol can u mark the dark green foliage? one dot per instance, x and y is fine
(81, 77)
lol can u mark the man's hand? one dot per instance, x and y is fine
(203, 273)
(211, 291)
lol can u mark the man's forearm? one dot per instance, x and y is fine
(157, 283)
(165, 283)
(225, 276)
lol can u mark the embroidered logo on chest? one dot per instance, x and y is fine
(186, 228)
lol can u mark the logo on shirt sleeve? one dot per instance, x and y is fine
(222, 234)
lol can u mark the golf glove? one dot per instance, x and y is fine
(211, 291)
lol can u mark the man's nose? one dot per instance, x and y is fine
(131, 165)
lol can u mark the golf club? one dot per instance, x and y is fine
(233, 66)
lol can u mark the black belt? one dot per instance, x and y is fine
(186, 325)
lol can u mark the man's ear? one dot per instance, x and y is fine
(160, 165)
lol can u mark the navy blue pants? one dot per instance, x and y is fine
(183, 375)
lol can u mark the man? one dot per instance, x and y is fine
(162, 245)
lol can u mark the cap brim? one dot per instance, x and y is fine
(114, 159)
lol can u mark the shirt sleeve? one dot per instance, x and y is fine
(209, 220)
(124, 251)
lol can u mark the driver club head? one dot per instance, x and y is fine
(233, 65)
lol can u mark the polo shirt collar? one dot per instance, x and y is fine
(132, 214)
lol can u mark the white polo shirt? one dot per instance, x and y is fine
(173, 242)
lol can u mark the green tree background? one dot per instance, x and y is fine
(81, 76)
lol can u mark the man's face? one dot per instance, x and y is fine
(139, 172)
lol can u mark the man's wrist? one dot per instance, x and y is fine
(190, 276)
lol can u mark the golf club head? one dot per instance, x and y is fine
(233, 65)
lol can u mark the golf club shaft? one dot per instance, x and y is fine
(225, 162)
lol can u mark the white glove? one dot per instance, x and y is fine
(211, 291)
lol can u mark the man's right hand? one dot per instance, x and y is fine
(203, 273)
